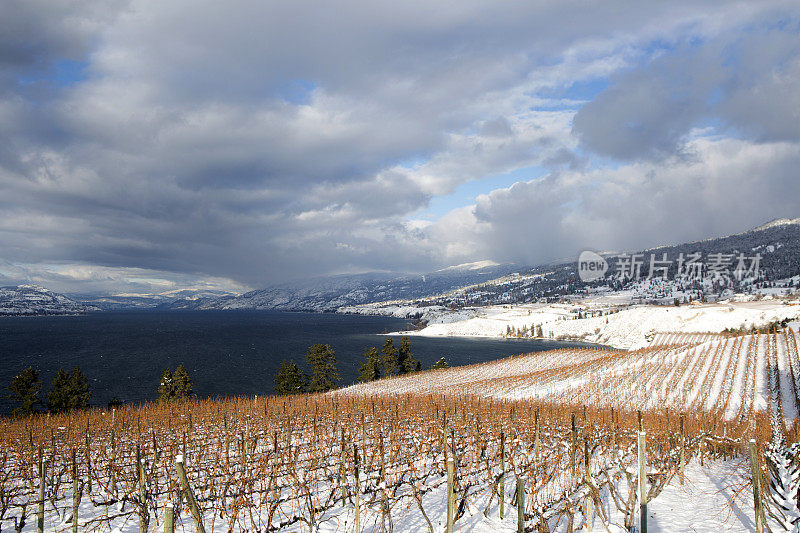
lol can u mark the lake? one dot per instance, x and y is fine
(227, 353)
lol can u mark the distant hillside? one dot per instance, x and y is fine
(178, 299)
(477, 284)
(778, 243)
(331, 293)
(28, 300)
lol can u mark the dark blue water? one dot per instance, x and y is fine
(227, 352)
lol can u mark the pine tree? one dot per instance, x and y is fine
(289, 379)
(391, 362)
(370, 370)
(322, 361)
(166, 387)
(114, 403)
(441, 363)
(69, 391)
(24, 391)
(175, 385)
(184, 387)
(405, 359)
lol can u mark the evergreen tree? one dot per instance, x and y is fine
(166, 387)
(370, 370)
(391, 362)
(69, 391)
(289, 379)
(183, 383)
(175, 385)
(322, 361)
(441, 363)
(405, 359)
(114, 403)
(24, 391)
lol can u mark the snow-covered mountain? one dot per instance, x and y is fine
(35, 300)
(488, 283)
(471, 284)
(331, 293)
(176, 299)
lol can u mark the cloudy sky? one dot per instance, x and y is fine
(148, 145)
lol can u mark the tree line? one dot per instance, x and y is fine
(70, 390)
(321, 360)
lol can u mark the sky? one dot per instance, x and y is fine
(148, 146)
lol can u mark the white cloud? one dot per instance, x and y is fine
(632, 207)
(266, 140)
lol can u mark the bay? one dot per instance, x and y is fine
(227, 353)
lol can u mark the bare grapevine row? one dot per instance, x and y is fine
(268, 463)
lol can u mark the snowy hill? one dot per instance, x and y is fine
(481, 283)
(331, 293)
(777, 243)
(487, 283)
(627, 327)
(35, 300)
(729, 375)
(177, 299)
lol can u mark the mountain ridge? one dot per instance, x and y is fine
(33, 300)
(469, 284)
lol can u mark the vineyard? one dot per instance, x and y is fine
(541, 441)
(728, 377)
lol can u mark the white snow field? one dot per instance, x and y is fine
(626, 327)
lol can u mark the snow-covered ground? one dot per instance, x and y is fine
(629, 327)
(710, 501)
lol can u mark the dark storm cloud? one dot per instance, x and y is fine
(745, 82)
(256, 141)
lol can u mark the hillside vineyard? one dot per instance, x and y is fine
(378, 453)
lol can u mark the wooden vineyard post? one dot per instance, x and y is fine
(384, 505)
(342, 469)
(76, 493)
(88, 452)
(573, 451)
(169, 519)
(384, 493)
(356, 488)
(450, 496)
(275, 467)
(40, 510)
(755, 469)
(187, 494)
(112, 477)
(642, 482)
(700, 447)
(683, 452)
(144, 518)
(536, 436)
(520, 505)
(502, 484)
(589, 518)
